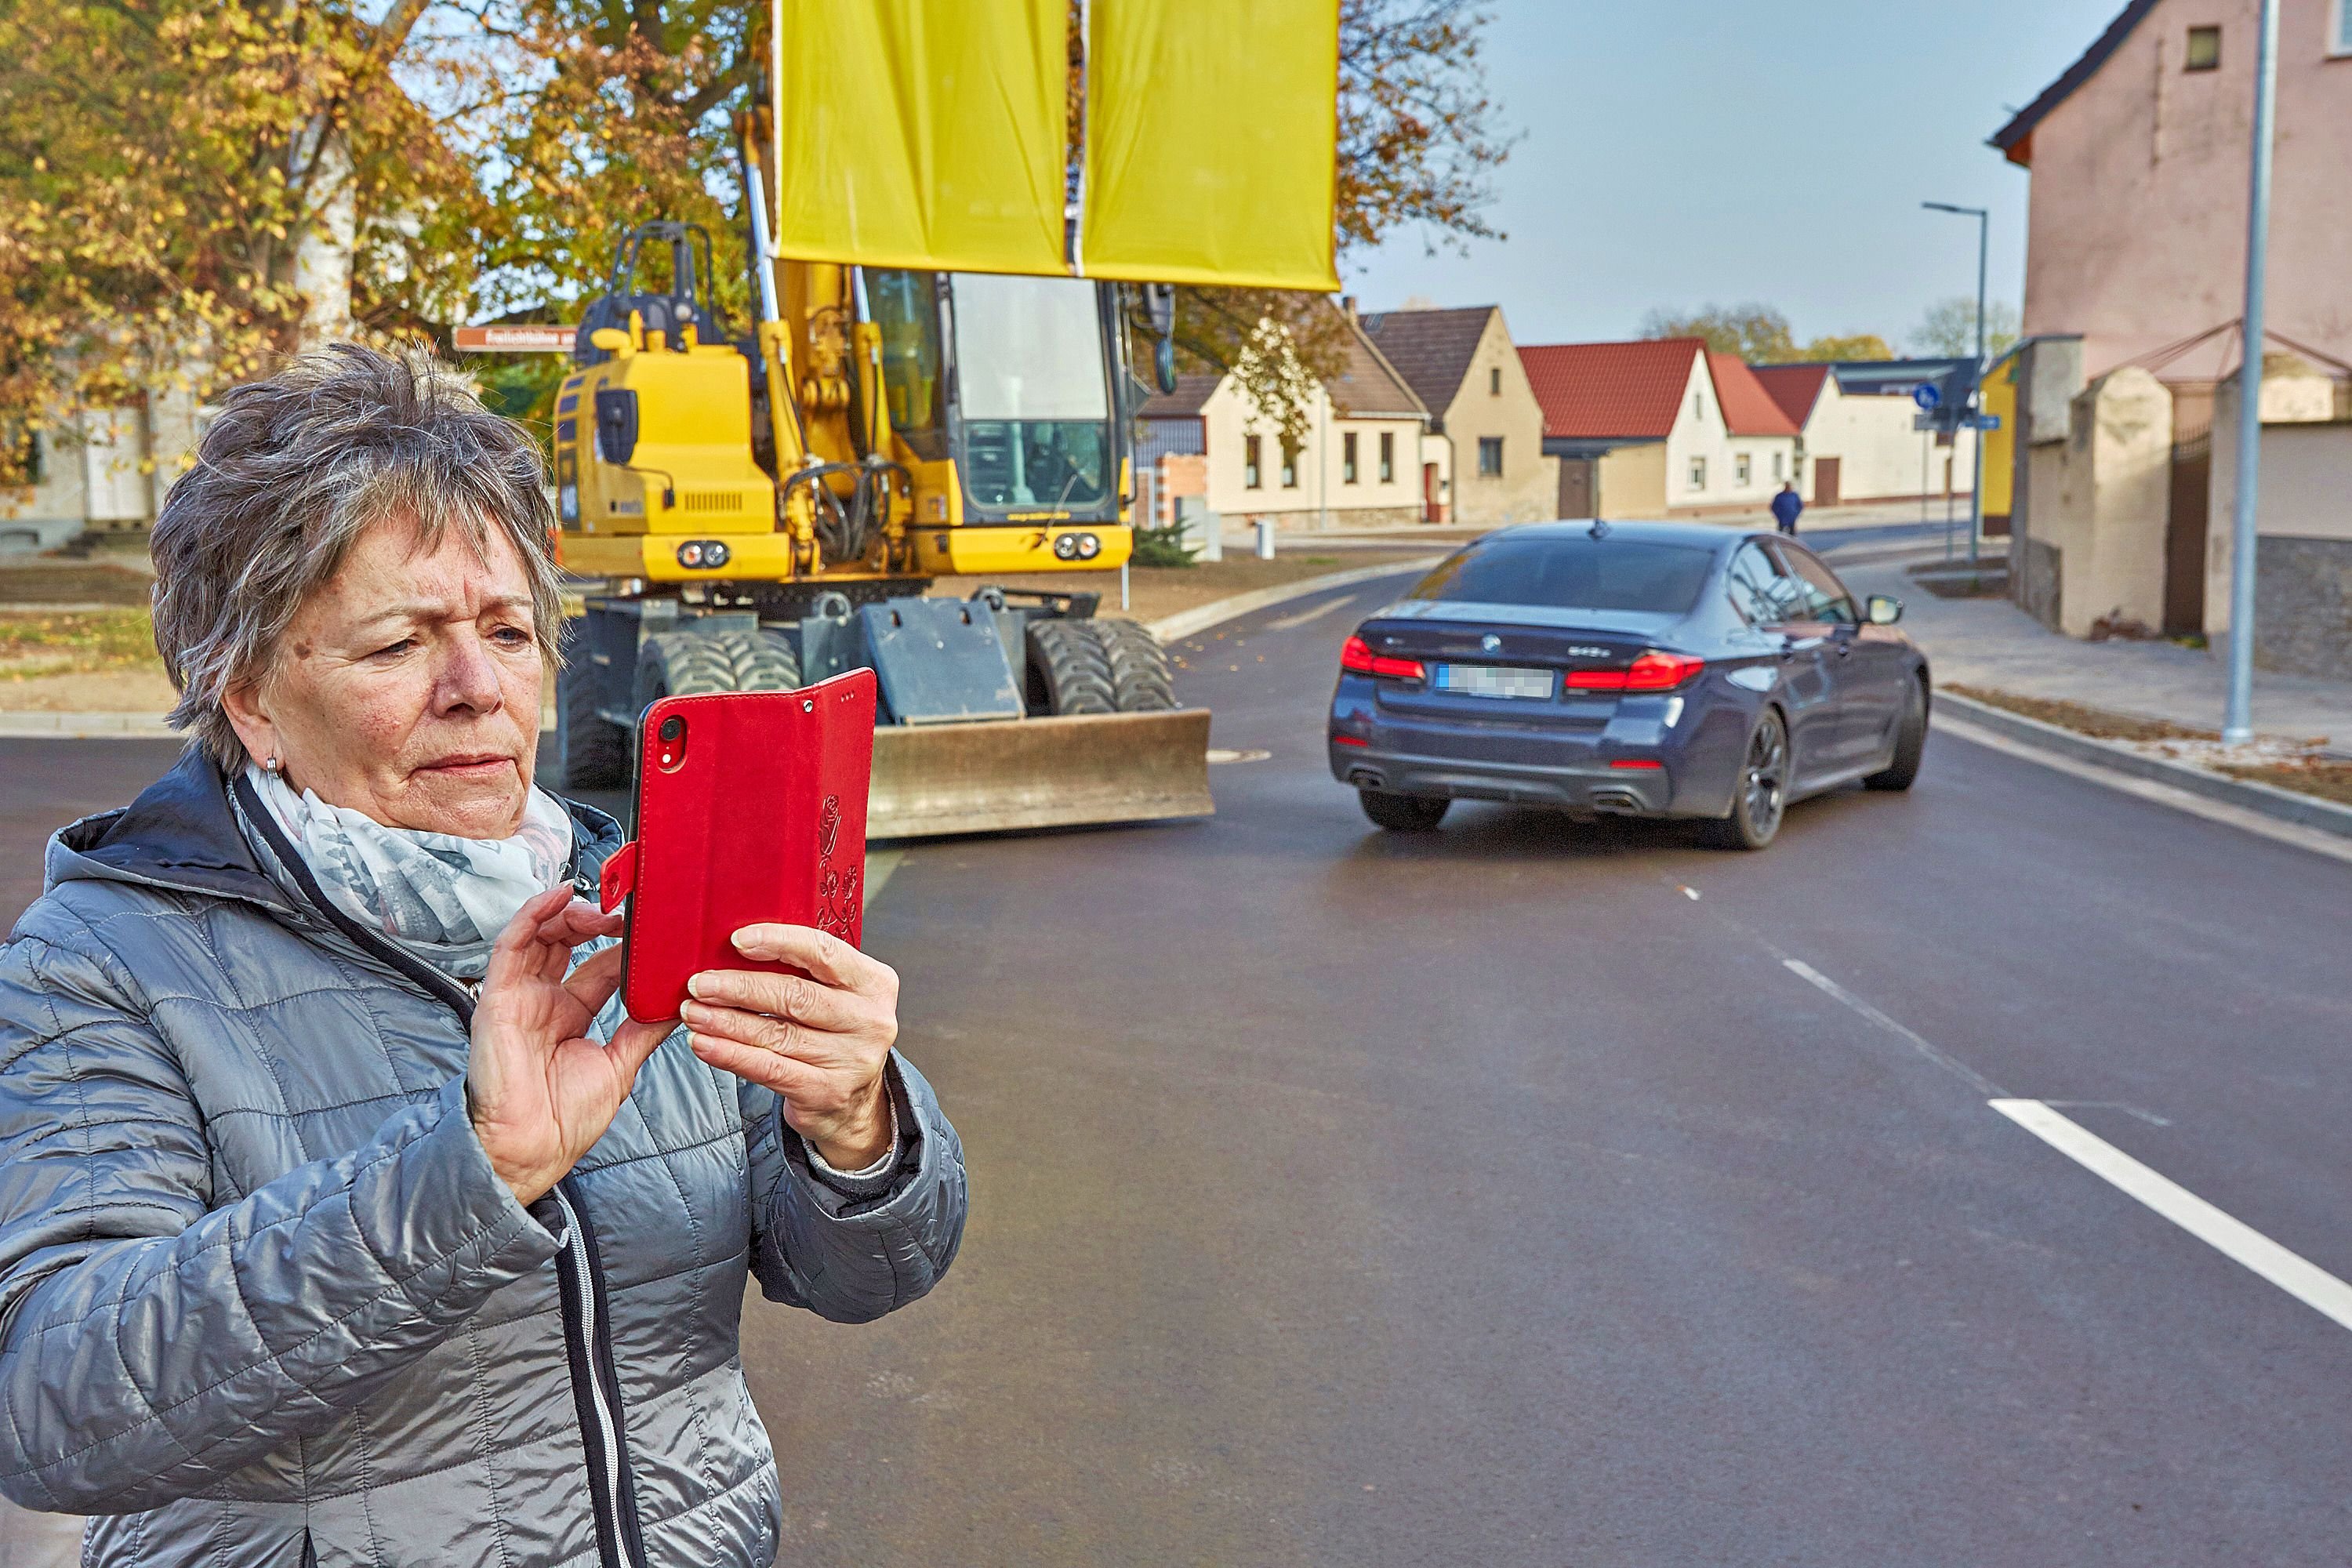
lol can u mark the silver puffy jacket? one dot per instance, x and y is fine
(262, 1300)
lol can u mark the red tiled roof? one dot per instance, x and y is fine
(1748, 408)
(1633, 390)
(1795, 387)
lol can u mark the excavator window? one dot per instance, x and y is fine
(906, 306)
(1034, 393)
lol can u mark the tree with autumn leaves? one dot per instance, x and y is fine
(190, 189)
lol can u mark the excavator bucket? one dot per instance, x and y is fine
(989, 777)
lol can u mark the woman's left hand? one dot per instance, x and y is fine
(819, 1042)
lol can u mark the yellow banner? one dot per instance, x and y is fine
(1210, 126)
(926, 133)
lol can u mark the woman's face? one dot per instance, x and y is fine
(407, 687)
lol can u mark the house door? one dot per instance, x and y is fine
(2187, 519)
(2184, 536)
(1433, 510)
(1825, 481)
(1576, 497)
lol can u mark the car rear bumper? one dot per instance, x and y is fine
(1596, 787)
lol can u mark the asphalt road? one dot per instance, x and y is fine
(1505, 1196)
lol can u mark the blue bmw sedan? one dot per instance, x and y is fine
(1629, 668)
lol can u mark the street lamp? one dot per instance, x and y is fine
(2238, 707)
(1976, 397)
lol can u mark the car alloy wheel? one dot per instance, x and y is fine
(1764, 778)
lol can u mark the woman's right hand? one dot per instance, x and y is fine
(539, 1091)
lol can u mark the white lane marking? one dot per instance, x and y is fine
(1292, 623)
(1919, 1042)
(2232, 1238)
(2294, 833)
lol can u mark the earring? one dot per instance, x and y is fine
(270, 766)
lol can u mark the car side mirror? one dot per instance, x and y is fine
(1884, 610)
(617, 423)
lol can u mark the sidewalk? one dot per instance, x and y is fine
(1992, 643)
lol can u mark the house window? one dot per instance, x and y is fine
(1289, 467)
(20, 455)
(1249, 462)
(1388, 456)
(1698, 473)
(1779, 467)
(2204, 49)
(1347, 458)
(2339, 28)
(1739, 470)
(1490, 456)
(1495, 382)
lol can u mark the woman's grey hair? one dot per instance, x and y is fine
(296, 468)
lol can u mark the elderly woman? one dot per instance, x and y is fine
(344, 1218)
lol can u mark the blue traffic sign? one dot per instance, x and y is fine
(1925, 396)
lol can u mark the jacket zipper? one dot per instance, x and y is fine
(595, 1392)
(587, 1333)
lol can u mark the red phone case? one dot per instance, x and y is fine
(755, 811)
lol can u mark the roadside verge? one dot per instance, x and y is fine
(2245, 795)
(32, 724)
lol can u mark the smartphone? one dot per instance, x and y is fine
(750, 808)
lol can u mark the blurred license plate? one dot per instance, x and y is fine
(1494, 680)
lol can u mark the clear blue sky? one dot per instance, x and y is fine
(1674, 155)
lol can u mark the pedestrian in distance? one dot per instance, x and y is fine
(345, 1217)
(1786, 506)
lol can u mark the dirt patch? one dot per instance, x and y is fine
(2325, 777)
(1988, 582)
(46, 581)
(2084, 719)
(1155, 591)
(2305, 766)
(105, 691)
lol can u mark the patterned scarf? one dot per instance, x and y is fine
(442, 898)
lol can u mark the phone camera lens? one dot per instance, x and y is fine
(672, 728)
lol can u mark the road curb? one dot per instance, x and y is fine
(83, 726)
(2248, 795)
(1217, 612)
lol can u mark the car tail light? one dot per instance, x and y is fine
(1648, 765)
(1652, 671)
(1357, 654)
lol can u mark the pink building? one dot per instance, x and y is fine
(2140, 151)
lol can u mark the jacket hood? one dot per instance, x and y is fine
(182, 833)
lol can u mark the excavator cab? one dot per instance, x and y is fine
(1013, 380)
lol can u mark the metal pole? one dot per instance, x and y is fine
(2237, 714)
(1976, 396)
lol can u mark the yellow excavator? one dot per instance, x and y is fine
(765, 508)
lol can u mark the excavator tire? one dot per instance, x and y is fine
(760, 661)
(1067, 661)
(688, 664)
(590, 750)
(1140, 681)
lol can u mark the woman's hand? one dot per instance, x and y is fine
(539, 1091)
(819, 1042)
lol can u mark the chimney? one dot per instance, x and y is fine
(1348, 304)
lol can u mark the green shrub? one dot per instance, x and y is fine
(1162, 547)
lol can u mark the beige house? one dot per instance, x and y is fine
(2134, 278)
(1856, 440)
(1367, 457)
(1462, 364)
(1659, 427)
(2138, 154)
(104, 470)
